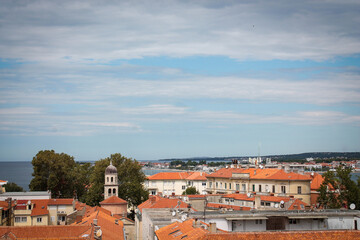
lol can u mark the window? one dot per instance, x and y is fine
(221, 185)
(244, 187)
(294, 221)
(114, 191)
(262, 203)
(253, 187)
(258, 221)
(153, 192)
(39, 219)
(183, 187)
(229, 185)
(260, 188)
(17, 219)
(217, 184)
(61, 218)
(109, 191)
(107, 179)
(267, 204)
(299, 189)
(24, 219)
(204, 183)
(266, 188)
(112, 179)
(283, 189)
(237, 187)
(225, 185)
(29, 207)
(273, 188)
(231, 200)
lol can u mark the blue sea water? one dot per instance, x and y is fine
(20, 173)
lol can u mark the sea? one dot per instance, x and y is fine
(21, 173)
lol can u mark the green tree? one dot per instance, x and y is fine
(13, 187)
(130, 176)
(58, 173)
(338, 190)
(190, 191)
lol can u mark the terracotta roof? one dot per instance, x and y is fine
(290, 235)
(45, 232)
(196, 196)
(159, 202)
(2, 182)
(61, 201)
(267, 173)
(199, 176)
(5, 205)
(110, 229)
(316, 181)
(297, 205)
(181, 230)
(21, 204)
(227, 206)
(170, 176)
(113, 200)
(40, 207)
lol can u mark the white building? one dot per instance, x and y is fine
(169, 183)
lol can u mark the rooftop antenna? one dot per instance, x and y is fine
(259, 148)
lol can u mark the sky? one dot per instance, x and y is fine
(178, 79)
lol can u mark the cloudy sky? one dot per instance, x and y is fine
(167, 79)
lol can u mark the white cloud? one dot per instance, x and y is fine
(48, 30)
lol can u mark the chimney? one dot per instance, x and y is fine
(255, 171)
(257, 201)
(212, 227)
(152, 199)
(287, 168)
(117, 221)
(95, 221)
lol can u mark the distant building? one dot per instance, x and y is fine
(26, 195)
(175, 183)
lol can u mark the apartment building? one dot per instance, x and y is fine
(169, 183)
(260, 181)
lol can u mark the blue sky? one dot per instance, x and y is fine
(178, 79)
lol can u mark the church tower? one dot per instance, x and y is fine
(111, 186)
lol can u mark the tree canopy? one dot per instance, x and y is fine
(13, 187)
(338, 190)
(130, 178)
(190, 191)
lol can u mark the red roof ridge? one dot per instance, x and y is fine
(113, 200)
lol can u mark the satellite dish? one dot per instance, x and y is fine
(183, 217)
(29, 202)
(352, 206)
(276, 205)
(173, 213)
(248, 195)
(98, 233)
(282, 202)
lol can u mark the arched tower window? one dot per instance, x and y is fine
(112, 179)
(114, 191)
(109, 191)
(107, 179)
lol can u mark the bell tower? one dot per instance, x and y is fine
(111, 186)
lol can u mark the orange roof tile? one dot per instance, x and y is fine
(40, 207)
(113, 200)
(180, 230)
(267, 173)
(288, 235)
(45, 232)
(111, 227)
(170, 176)
(159, 202)
(61, 201)
(200, 176)
(297, 205)
(316, 181)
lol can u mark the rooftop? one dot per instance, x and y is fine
(291, 235)
(159, 202)
(181, 230)
(113, 200)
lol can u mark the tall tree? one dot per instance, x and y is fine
(130, 176)
(338, 190)
(55, 172)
